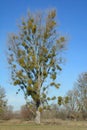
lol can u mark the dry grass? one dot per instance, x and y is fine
(45, 125)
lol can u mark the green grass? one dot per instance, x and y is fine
(60, 125)
(40, 127)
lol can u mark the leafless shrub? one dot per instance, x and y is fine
(27, 113)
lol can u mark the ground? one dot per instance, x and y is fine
(45, 125)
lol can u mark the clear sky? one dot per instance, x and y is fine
(72, 18)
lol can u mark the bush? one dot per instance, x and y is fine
(27, 113)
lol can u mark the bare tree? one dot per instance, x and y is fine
(78, 97)
(81, 88)
(3, 102)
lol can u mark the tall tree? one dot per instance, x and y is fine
(35, 55)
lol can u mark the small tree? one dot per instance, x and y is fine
(3, 102)
(72, 106)
(35, 56)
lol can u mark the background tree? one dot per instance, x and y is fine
(71, 108)
(72, 102)
(77, 104)
(81, 88)
(35, 55)
(3, 102)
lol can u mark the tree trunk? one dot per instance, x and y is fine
(37, 119)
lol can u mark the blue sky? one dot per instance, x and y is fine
(72, 18)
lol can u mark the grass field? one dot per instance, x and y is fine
(57, 125)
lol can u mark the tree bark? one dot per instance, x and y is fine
(37, 119)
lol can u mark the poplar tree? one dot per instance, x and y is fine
(35, 56)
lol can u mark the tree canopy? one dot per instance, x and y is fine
(35, 55)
